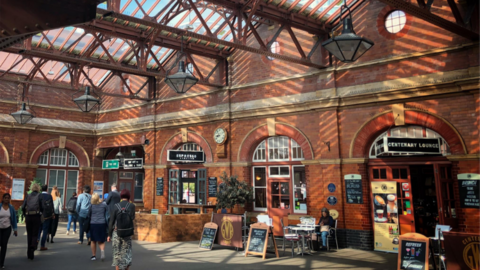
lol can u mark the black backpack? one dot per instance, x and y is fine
(72, 205)
(124, 221)
(33, 204)
(48, 207)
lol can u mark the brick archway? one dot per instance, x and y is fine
(372, 128)
(77, 149)
(176, 140)
(4, 158)
(260, 133)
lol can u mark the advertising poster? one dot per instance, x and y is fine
(98, 188)
(18, 187)
(385, 216)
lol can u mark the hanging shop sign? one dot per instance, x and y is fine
(332, 200)
(353, 188)
(208, 236)
(469, 189)
(408, 145)
(185, 156)
(18, 186)
(212, 187)
(159, 186)
(331, 187)
(462, 250)
(414, 252)
(110, 164)
(133, 163)
(230, 230)
(385, 216)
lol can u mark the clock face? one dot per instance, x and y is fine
(220, 135)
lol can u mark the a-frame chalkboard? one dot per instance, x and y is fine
(208, 236)
(258, 240)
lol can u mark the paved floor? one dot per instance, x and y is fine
(65, 253)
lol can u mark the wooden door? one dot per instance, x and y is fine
(447, 204)
(406, 214)
(279, 202)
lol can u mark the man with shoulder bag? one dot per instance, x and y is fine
(83, 207)
(32, 209)
(48, 215)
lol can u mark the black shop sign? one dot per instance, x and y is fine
(160, 186)
(408, 145)
(469, 189)
(185, 156)
(133, 163)
(353, 188)
(212, 187)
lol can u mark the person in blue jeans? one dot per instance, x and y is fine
(72, 215)
(83, 207)
(325, 220)
(48, 215)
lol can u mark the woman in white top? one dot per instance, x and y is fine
(58, 209)
(8, 222)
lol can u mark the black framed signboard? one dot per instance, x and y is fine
(208, 236)
(353, 188)
(414, 252)
(469, 189)
(185, 156)
(212, 187)
(160, 186)
(133, 163)
(258, 240)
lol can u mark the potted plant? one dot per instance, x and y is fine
(232, 192)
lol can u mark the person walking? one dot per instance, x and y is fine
(48, 216)
(72, 214)
(8, 222)
(113, 198)
(120, 231)
(32, 209)
(98, 226)
(58, 209)
(83, 207)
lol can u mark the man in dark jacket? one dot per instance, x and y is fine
(32, 209)
(113, 198)
(48, 215)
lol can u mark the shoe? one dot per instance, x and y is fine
(79, 242)
(51, 241)
(68, 233)
(74, 232)
(93, 258)
(103, 255)
(43, 248)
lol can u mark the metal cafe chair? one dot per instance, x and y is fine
(438, 239)
(290, 237)
(332, 233)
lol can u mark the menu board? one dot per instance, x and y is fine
(414, 252)
(257, 240)
(159, 186)
(469, 189)
(353, 188)
(208, 236)
(212, 187)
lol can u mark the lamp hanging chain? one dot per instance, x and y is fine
(179, 55)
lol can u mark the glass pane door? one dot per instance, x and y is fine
(127, 186)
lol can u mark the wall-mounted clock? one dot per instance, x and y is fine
(220, 135)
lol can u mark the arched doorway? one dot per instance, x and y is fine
(279, 178)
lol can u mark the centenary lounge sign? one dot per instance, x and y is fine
(410, 145)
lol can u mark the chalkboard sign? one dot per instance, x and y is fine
(258, 240)
(160, 186)
(353, 188)
(414, 252)
(208, 236)
(469, 189)
(212, 187)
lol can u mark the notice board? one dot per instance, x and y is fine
(212, 187)
(469, 189)
(353, 188)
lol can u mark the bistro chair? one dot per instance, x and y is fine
(332, 233)
(438, 240)
(290, 237)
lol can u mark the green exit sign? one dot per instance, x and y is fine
(110, 164)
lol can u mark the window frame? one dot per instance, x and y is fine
(267, 151)
(294, 188)
(260, 209)
(279, 175)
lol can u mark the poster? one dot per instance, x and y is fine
(469, 190)
(385, 216)
(98, 188)
(18, 187)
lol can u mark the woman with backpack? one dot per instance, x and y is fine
(72, 214)
(57, 209)
(120, 231)
(32, 208)
(8, 223)
(98, 226)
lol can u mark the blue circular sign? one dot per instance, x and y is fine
(331, 187)
(332, 200)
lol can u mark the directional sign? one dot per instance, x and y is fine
(133, 163)
(110, 164)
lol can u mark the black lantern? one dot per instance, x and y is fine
(22, 116)
(181, 81)
(347, 47)
(86, 102)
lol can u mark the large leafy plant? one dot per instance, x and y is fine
(232, 192)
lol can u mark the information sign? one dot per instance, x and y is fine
(208, 236)
(353, 188)
(133, 163)
(469, 189)
(109, 164)
(18, 187)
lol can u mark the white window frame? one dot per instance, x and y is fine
(280, 176)
(293, 191)
(52, 156)
(64, 181)
(282, 147)
(260, 209)
(71, 156)
(66, 186)
(292, 141)
(190, 147)
(43, 156)
(261, 146)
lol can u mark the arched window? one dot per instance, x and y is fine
(276, 164)
(190, 147)
(59, 167)
(407, 132)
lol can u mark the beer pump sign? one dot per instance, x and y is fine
(385, 216)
